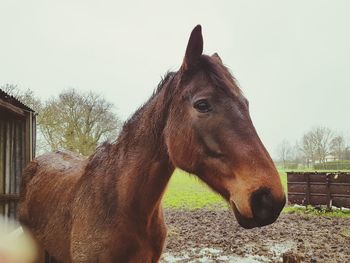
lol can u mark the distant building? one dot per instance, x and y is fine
(329, 158)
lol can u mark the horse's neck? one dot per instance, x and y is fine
(145, 165)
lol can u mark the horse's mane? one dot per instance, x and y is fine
(217, 73)
(163, 84)
(168, 76)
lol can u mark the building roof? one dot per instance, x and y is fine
(13, 101)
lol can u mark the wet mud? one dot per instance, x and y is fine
(215, 236)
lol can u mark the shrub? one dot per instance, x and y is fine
(335, 165)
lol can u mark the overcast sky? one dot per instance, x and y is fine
(291, 58)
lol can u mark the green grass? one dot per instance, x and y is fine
(316, 211)
(281, 169)
(188, 192)
(283, 175)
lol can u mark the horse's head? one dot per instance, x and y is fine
(209, 133)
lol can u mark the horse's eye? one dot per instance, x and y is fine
(202, 106)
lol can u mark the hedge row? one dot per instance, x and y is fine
(336, 165)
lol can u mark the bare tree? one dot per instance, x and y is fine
(316, 144)
(297, 156)
(347, 153)
(77, 121)
(322, 137)
(347, 148)
(73, 121)
(308, 148)
(338, 147)
(284, 151)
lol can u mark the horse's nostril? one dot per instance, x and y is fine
(264, 207)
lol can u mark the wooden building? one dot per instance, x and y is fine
(17, 148)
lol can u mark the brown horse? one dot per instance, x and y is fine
(107, 208)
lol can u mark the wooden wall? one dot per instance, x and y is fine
(16, 150)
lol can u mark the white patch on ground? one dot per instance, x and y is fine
(246, 259)
(209, 255)
(209, 250)
(277, 250)
(281, 248)
(167, 257)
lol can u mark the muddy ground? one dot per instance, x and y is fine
(215, 236)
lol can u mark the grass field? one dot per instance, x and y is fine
(188, 192)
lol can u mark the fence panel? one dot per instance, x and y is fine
(313, 188)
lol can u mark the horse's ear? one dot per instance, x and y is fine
(194, 49)
(216, 56)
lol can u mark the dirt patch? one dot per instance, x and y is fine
(215, 236)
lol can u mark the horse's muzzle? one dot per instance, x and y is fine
(265, 209)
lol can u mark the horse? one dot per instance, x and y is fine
(107, 207)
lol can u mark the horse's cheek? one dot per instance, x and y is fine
(182, 153)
